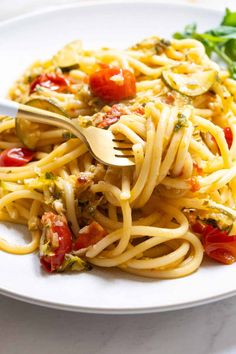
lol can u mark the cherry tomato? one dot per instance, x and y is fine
(113, 84)
(89, 235)
(55, 226)
(228, 136)
(218, 244)
(53, 82)
(15, 157)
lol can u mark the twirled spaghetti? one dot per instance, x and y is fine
(184, 169)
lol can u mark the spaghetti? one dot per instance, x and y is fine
(142, 219)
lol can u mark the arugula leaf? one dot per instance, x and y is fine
(230, 48)
(220, 40)
(229, 18)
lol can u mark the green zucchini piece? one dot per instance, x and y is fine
(191, 84)
(67, 57)
(47, 105)
(28, 132)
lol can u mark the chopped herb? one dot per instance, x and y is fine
(68, 135)
(91, 210)
(161, 46)
(49, 175)
(182, 122)
(165, 42)
(82, 203)
(211, 222)
(227, 228)
(57, 195)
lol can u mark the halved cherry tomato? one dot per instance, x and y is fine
(89, 235)
(113, 84)
(56, 230)
(53, 82)
(228, 136)
(15, 157)
(217, 244)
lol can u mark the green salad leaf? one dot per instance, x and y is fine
(220, 41)
(229, 18)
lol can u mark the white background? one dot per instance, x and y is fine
(29, 329)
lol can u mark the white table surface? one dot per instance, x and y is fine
(29, 329)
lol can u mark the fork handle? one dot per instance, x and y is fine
(8, 108)
(17, 110)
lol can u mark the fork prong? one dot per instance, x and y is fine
(126, 156)
(118, 140)
(123, 148)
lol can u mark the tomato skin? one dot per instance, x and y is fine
(89, 235)
(218, 244)
(15, 157)
(112, 116)
(102, 86)
(228, 136)
(53, 82)
(56, 224)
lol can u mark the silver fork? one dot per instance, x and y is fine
(103, 144)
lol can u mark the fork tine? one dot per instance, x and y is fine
(122, 148)
(124, 156)
(119, 140)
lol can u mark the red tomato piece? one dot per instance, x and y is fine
(140, 110)
(195, 186)
(53, 82)
(198, 169)
(89, 235)
(15, 157)
(113, 84)
(228, 136)
(197, 227)
(218, 244)
(59, 239)
(112, 116)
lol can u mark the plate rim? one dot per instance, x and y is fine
(115, 311)
(91, 3)
(97, 310)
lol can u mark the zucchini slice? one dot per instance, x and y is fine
(67, 57)
(189, 84)
(28, 132)
(47, 105)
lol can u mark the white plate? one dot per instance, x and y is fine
(39, 35)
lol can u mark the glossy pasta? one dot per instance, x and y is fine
(184, 168)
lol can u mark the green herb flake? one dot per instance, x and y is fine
(211, 222)
(229, 18)
(162, 45)
(49, 175)
(227, 228)
(182, 122)
(68, 135)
